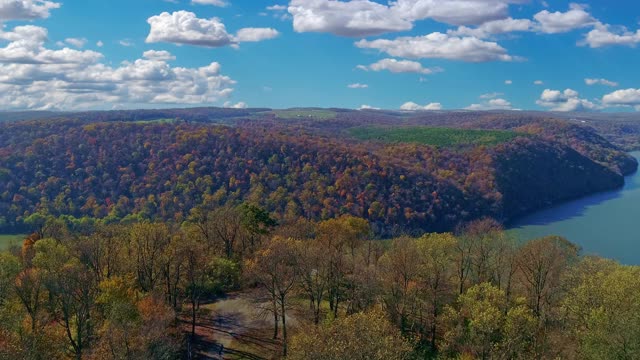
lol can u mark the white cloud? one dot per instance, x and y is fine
(568, 100)
(367, 107)
(508, 82)
(256, 34)
(35, 77)
(399, 66)
(491, 95)
(100, 44)
(76, 42)
(126, 43)
(627, 97)
(493, 104)
(600, 82)
(364, 17)
(559, 22)
(357, 86)
(184, 28)
(239, 105)
(220, 3)
(495, 27)
(161, 55)
(411, 106)
(26, 9)
(277, 8)
(538, 82)
(440, 46)
(606, 35)
(26, 46)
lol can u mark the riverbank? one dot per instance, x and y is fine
(604, 224)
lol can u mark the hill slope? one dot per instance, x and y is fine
(96, 166)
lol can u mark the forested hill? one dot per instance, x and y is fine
(402, 172)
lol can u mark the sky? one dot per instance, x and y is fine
(402, 54)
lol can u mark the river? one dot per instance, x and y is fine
(605, 224)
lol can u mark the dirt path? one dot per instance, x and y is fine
(236, 328)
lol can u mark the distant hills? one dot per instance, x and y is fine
(405, 172)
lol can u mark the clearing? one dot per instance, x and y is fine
(432, 135)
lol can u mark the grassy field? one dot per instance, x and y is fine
(8, 240)
(292, 114)
(433, 136)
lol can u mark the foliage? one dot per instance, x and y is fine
(360, 336)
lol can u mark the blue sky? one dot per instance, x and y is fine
(410, 54)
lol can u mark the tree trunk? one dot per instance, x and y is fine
(275, 319)
(284, 327)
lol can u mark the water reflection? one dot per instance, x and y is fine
(604, 224)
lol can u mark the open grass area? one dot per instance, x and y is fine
(154, 121)
(433, 136)
(293, 114)
(7, 240)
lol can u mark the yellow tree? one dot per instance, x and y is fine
(276, 268)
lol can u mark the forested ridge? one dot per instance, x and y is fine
(158, 165)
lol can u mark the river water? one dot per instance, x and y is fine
(605, 224)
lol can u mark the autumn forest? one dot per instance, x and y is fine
(306, 234)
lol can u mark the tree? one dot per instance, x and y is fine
(148, 242)
(437, 254)
(541, 264)
(483, 326)
(361, 336)
(604, 313)
(400, 269)
(276, 268)
(72, 291)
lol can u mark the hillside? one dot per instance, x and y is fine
(158, 164)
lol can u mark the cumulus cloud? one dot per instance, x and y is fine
(411, 106)
(26, 9)
(495, 27)
(185, 28)
(365, 18)
(440, 46)
(492, 95)
(220, 3)
(606, 35)
(538, 82)
(161, 55)
(399, 66)
(367, 107)
(508, 82)
(627, 97)
(600, 82)
(76, 42)
(26, 46)
(357, 86)
(239, 105)
(567, 100)
(493, 104)
(256, 34)
(560, 22)
(35, 77)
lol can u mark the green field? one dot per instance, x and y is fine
(8, 240)
(433, 136)
(293, 114)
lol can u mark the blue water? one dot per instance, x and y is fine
(605, 224)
